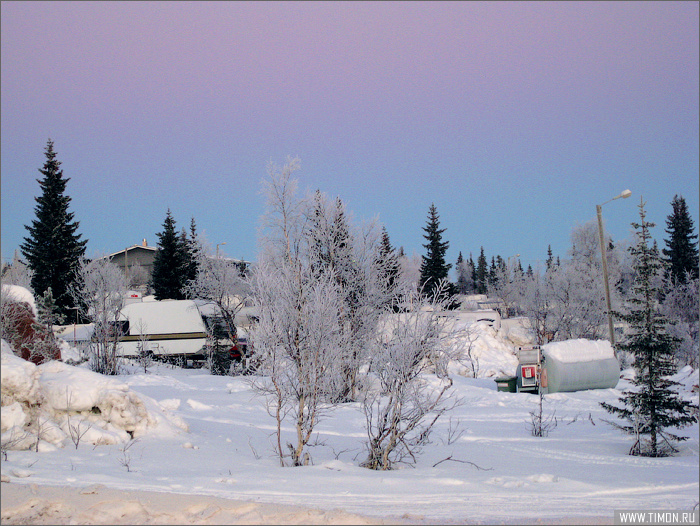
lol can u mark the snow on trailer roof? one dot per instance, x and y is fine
(580, 350)
(164, 317)
(80, 332)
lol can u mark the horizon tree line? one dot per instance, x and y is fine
(53, 251)
(322, 287)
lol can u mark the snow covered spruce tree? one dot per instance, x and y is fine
(389, 266)
(681, 253)
(464, 282)
(192, 247)
(434, 269)
(363, 278)
(652, 406)
(99, 292)
(170, 265)
(508, 285)
(53, 249)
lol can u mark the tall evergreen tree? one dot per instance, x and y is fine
(388, 263)
(550, 257)
(53, 249)
(681, 252)
(433, 267)
(492, 277)
(169, 264)
(482, 273)
(472, 268)
(463, 275)
(653, 405)
(190, 254)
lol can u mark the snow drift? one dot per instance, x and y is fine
(44, 406)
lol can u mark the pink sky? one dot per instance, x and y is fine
(487, 109)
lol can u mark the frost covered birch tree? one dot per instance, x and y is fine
(99, 291)
(298, 336)
(681, 305)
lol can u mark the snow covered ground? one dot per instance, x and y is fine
(205, 438)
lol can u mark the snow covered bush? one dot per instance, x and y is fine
(408, 382)
(681, 305)
(18, 321)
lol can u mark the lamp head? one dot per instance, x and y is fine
(625, 194)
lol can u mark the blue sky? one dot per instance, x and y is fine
(514, 118)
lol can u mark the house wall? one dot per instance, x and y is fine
(140, 264)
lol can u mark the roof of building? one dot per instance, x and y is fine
(142, 246)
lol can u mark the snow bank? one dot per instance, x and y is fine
(518, 331)
(491, 356)
(51, 401)
(18, 382)
(97, 504)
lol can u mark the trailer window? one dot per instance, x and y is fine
(118, 328)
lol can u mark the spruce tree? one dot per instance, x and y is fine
(472, 268)
(434, 268)
(463, 276)
(192, 251)
(388, 263)
(482, 273)
(53, 249)
(169, 264)
(550, 257)
(681, 252)
(492, 277)
(653, 405)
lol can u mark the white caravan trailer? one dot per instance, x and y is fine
(167, 328)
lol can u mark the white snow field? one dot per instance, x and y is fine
(202, 454)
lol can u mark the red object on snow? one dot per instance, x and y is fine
(25, 335)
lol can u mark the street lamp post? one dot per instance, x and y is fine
(599, 209)
(75, 323)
